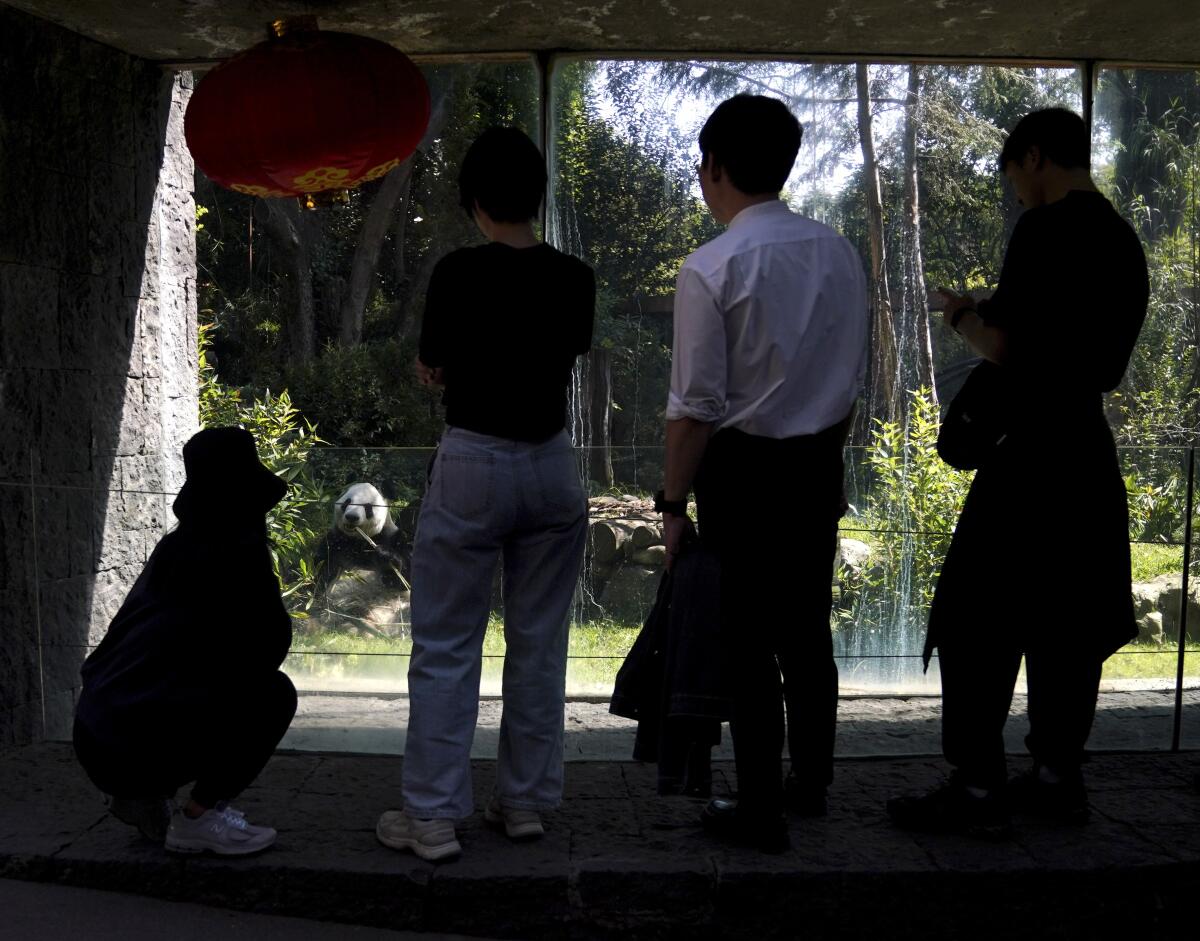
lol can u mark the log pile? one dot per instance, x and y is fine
(625, 555)
(623, 530)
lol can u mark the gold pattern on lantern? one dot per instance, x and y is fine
(321, 178)
(250, 189)
(376, 172)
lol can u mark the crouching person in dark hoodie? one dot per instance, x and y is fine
(181, 689)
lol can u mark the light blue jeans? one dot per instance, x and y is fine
(491, 499)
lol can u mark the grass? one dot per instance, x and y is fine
(597, 650)
(596, 639)
(1151, 560)
(1144, 662)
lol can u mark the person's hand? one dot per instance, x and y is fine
(428, 375)
(954, 303)
(674, 528)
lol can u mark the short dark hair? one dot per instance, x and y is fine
(1059, 134)
(504, 172)
(755, 139)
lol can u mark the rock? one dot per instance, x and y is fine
(853, 554)
(1147, 596)
(651, 555)
(1169, 605)
(630, 593)
(1150, 628)
(597, 575)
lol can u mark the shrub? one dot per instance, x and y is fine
(913, 504)
(284, 440)
(366, 396)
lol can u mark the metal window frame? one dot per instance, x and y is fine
(546, 62)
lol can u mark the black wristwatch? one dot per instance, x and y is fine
(674, 507)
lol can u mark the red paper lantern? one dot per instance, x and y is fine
(307, 112)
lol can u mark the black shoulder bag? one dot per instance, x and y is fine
(977, 420)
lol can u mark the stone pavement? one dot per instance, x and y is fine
(868, 726)
(618, 861)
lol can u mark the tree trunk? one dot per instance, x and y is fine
(599, 399)
(916, 304)
(400, 232)
(881, 397)
(366, 253)
(375, 228)
(406, 325)
(285, 225)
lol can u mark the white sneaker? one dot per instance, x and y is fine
(430, 839)
(518, 824)
(222, 830)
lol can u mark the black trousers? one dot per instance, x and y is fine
(769, 508)
(222, 747)
(979, 671)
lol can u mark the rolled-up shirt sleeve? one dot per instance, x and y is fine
(698, 362)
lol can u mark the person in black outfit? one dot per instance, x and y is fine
(503, 325)
(1060, 326)
(181, 690)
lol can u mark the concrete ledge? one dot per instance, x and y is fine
(620, 862)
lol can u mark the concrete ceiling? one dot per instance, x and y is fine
(187, 31)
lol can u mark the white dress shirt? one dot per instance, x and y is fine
(771, 322)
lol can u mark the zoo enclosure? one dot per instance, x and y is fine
(882, 635)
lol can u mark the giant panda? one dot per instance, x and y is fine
(363, 511)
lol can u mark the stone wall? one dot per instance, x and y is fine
(97, 348)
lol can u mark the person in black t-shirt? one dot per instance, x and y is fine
(503, 325)
(1057, 334)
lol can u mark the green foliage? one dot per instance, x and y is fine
(1152, 174)
(623, 200)
(1155, 509)
(284, 441)
(365, 396)
(1154, 178)
(914, 502)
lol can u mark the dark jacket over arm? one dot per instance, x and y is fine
(672, 680)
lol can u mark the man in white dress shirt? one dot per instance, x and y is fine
(771, 322)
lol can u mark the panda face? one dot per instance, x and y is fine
(361, 508)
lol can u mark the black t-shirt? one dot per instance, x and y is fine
(505, 325)
(1072, 298)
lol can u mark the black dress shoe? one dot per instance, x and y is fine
(728, 821)
(804, 800)
(1063, 802)
(951, 808)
